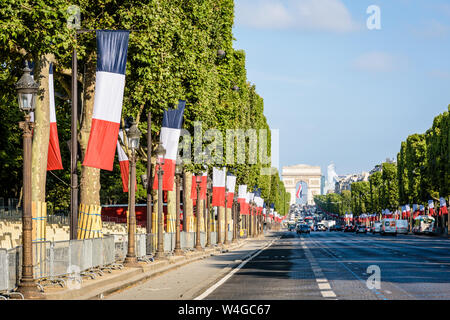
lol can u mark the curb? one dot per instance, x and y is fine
(129, 277)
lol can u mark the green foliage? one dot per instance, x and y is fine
(172, 55)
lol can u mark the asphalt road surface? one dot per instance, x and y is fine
(334, 265)
(321, 265)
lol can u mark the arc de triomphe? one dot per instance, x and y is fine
(302, 182)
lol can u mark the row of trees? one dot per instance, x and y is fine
(172, 54)
(422, 173)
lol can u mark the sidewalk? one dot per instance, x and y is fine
(119, 280)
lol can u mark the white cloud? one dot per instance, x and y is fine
(321, 15)
(375, 62)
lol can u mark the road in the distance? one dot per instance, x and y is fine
(333, 265)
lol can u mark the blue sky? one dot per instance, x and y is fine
(337, 91)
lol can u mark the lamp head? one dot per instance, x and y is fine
(27, 90)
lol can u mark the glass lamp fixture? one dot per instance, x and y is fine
(27, 90)
(134, 136)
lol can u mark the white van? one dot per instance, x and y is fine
(376, 227)
(388, 226)
(402, 226)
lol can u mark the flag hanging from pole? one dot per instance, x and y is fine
(169, 136)
(218, 196)
(54, 161)
(231, 183)
(124, 164)
(112, 47)
(242, 196)
(443, 205)
(431, 207)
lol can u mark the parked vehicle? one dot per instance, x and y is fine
(424, 225)
(350, 228)
(360, 229)
(402, 226)
(303, 228)
(388, 226)
(376, 227)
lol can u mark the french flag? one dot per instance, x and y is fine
(408, 210)
(231, 184)
(443, 205)
(251, 196)
(203, 186)
(169, 136)
(242, 196)
(54, 161)
(124, 164)
(431, 207)
(112, 47)
(218, 196)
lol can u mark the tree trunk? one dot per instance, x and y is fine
(90, 177)
(41, 133)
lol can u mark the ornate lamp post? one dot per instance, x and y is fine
(133, 136)
(208, 212)
(235, 218)
(198, 246)
(178, 173)
(226, 240)
(160, 153)
(26, 93)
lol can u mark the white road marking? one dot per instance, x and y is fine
(222, 281)
(328, 294)
(323, 286)
(322, 282)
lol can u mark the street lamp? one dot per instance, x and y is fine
(235, 219)
(208, 212)
(27, 89)
(221, 53)
(160, 154)
(198, 245)
(133, 136)
(178, 173)
(226, 240)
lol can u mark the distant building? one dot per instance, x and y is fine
(303, 182)
(345, 182)
(322, 185)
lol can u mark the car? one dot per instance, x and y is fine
(361, 229)
(303, 228)
(321, 227)
(349, 228)
(368, 229)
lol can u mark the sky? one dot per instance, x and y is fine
(341, 92)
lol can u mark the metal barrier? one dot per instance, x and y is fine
(55, 262)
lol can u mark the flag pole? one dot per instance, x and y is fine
(74, 149)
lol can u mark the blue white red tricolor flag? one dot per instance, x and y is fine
(169, 136)
(431, 207)
(231, 184)
(124, 163)
(112, 47)
(299, 191)
(54, 161)
(242, 198)
(218, 196)
(443, 205)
